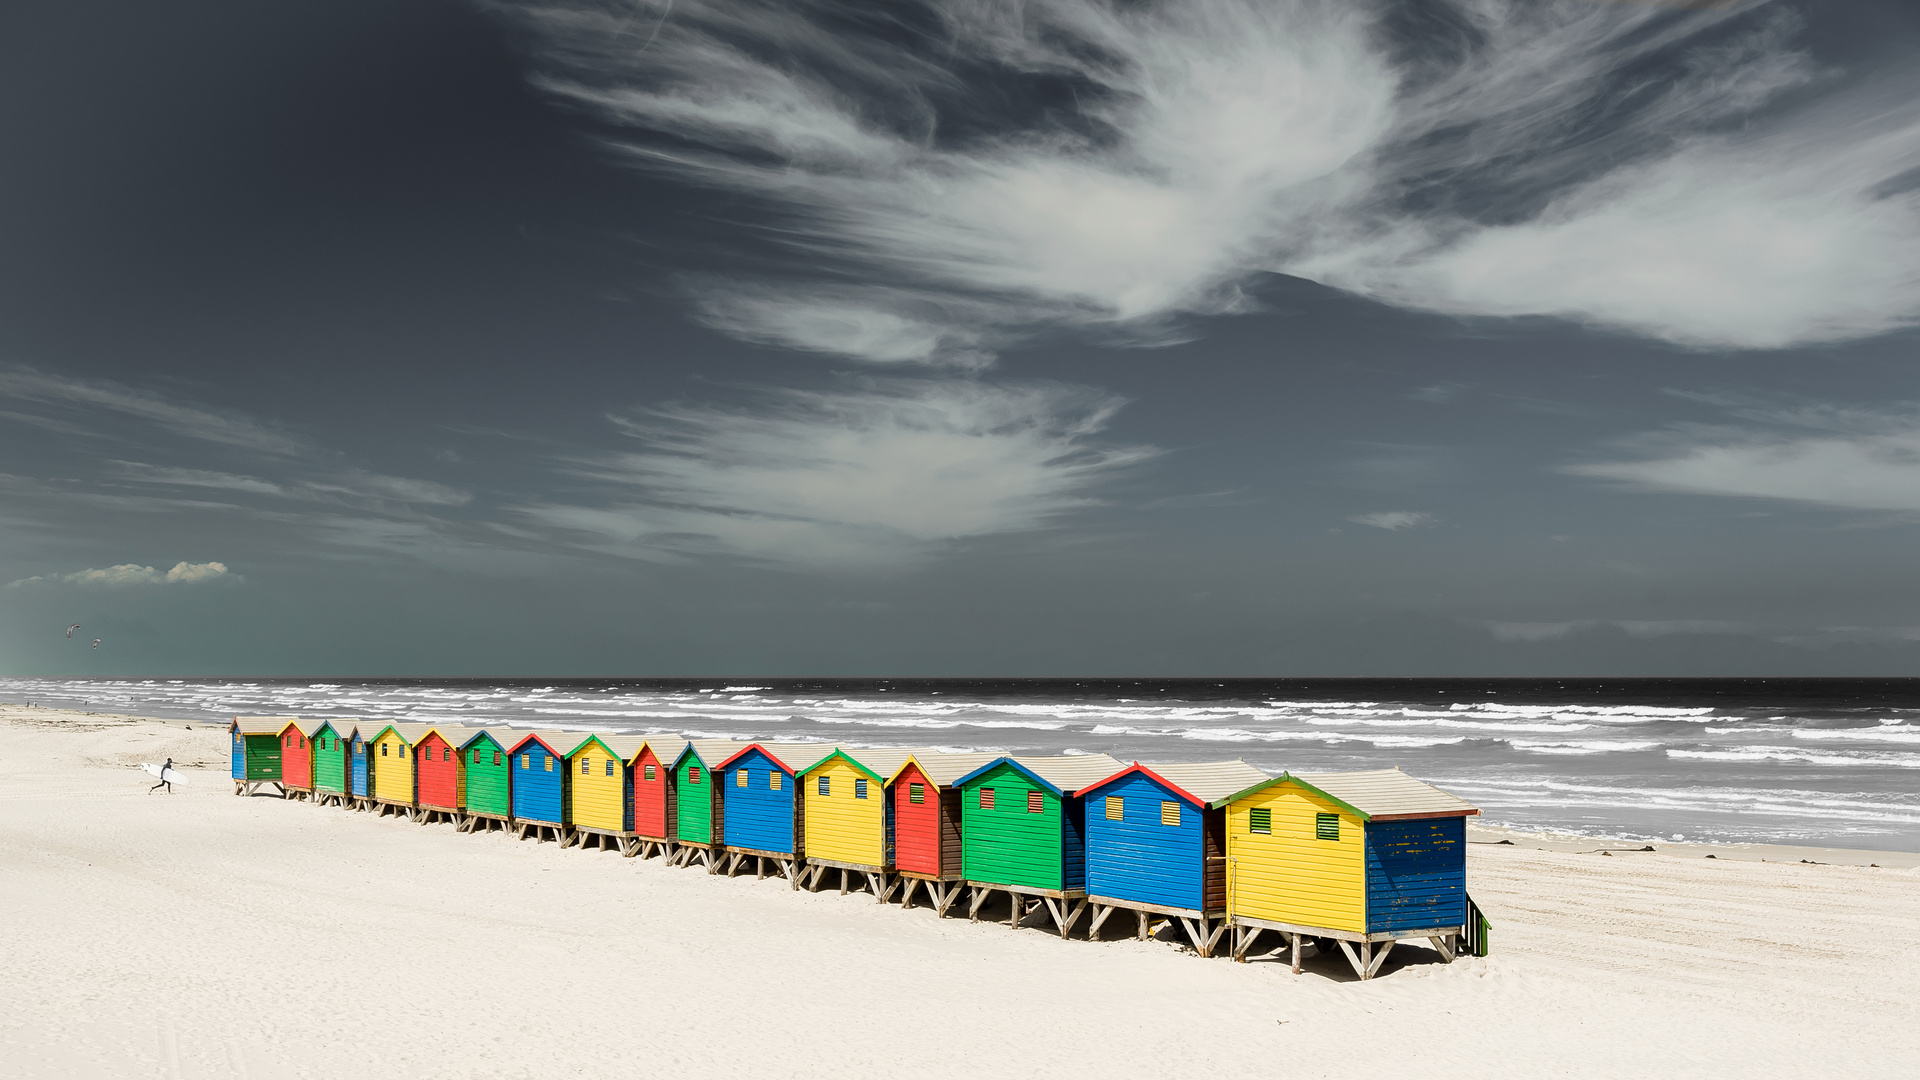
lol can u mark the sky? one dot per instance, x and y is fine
(1066, 337)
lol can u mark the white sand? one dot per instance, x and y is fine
(205, 935)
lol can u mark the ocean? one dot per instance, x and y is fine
(1832, 762)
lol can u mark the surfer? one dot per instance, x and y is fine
(168, 784)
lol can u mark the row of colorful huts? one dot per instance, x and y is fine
(1352, 862)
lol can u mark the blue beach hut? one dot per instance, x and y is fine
(1156, 845)
(762, 818)
(359, 768)
(540, 783)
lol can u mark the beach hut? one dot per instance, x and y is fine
(540, 783)
(486, 795)
(653, 803)
(926, 823)
(331, 747)
(762, 819)
(699, 811)
(439, 773)
(1354, 860)
(1156, 845)
(256, 752)
(390, 765)
(359, 767)
(296, 758)
(847, 823)
(600, 797)
(1023, 832)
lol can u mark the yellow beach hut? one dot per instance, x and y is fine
(847, 821)
(1353, 861)
(601, 794)
(390, 761)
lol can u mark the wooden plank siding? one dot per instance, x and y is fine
(653, 802)
(1139, 856)
(488, 776)
(919, 834)
(392, 760)
(697, 800)
(842, 825)
(329, 760)
(1416, 874)
(1007, 843)
(599, 798)
(539, 783)
(361, 782)
(256, 757)
(296, 759)
(1290, 875)
(760, 811)
(439, 773)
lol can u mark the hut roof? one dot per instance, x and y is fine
(502, 736)
(309, 727)
(455, 735)
(1204, 783)
(791, 756)
(261, 725)
(666, 748)
(341, 725)
(1379, 794)
(411, 731)
(943, 769)
(624, 747)
(879, 764)
(711, 752)
(561, 743)
(1064, 775)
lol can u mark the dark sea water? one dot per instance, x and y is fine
(1812, 761)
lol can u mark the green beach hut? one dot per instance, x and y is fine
(332, 746)
(697, 801)
(256, 752)
(486, 803)
(1023, 832)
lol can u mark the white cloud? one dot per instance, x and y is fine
(1634, 628)
(1395, 520)
(1847, 458)
(1509, 173)
(876, 475)
(182, 573)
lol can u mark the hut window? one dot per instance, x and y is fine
(1035, 802)
(549, 760)
(693, 775)
(649, 772)
(986, 798)
(303, 742)
(586, 766)
(773, 779)
(916, 793)
(526, 761)
(1260, 820)
(740, 778)
(609, 766)
(1116, 808)
(496, 757)
(826, 786)
(860, 787)
(476, 757)
(446, 753)
(383, 749)
(1326, 826)
(1169, 813)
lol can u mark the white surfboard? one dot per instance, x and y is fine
(171, 776)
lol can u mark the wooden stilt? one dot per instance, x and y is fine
(1100, 914)
(1296, 951)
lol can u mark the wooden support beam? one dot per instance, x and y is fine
(1100, 914)
(1359, 968)
(1443, 944)
(1076, 909)
(1296, 951)
(1141, 924)
(906, 898)
(1213, 938)
(945, 898)
(979, 897)
(1380, 958)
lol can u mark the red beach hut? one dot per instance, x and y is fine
(653, 795)
(296, 758)
(926, 823)
(437, 770)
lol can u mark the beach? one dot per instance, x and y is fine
(202, 935)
